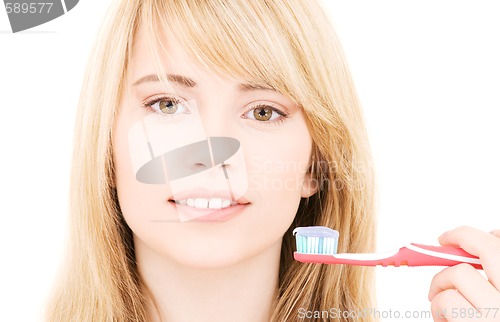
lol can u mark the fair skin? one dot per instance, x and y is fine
(176, 259)
(456, 292)
(210, 270)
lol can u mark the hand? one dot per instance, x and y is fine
(461, 293)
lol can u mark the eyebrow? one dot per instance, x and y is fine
(184, 81)
(188, 82)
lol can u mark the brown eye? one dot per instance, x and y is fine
(168, 106)
(266, 114)
(262, 113)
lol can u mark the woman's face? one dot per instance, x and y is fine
(209, 172)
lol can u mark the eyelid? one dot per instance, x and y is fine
(281, 110)
(158, 97)
(282, 115)
(156, 115)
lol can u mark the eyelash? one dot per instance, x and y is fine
(156, 99)
(282, 115)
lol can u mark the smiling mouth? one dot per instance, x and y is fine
(203, 203)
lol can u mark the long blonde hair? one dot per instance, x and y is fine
(288, 45)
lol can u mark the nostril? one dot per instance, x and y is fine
(199, 165)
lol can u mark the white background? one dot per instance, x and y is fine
(428, 76)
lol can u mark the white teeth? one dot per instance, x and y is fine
(215, 203)
(200, 203)
(212, 203)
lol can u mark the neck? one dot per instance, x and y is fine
(242, 292)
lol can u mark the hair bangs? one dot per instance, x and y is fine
(243, 41)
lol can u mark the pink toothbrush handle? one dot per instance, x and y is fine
(411, 255)
(425, 255)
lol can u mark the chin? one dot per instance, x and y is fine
(206, 246)
(207, 258)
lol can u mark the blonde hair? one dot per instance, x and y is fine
(288, 45)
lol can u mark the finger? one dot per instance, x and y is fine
(485, 246)
(450, 305)
(469, 282)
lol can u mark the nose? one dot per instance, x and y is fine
(189, 159)
(192, 158)
(199, 156)
(218, 146)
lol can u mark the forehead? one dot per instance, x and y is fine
(171, 55)
(171, 58)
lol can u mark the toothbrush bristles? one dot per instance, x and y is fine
(316, 245)
(316, 240)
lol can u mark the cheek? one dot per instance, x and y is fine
(140, 203)
(144, 206)
(277, 169)
(276, 172)
(130, 193)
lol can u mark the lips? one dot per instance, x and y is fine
(204, 205)
(212, 203)
(204, 198)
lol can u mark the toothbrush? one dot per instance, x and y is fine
(318, 244)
